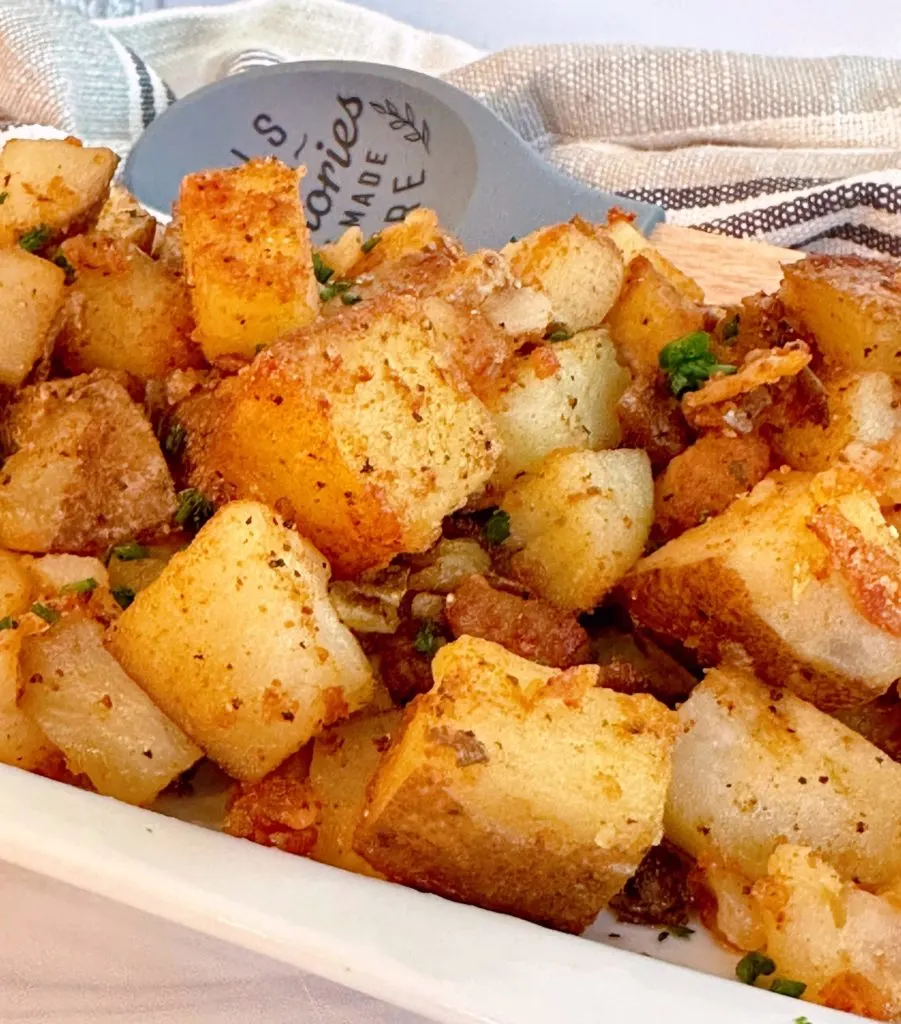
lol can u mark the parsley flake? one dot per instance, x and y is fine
(428, 640)
(497, 529)
(752, 966)
(35, 239)
(371, 242)
(3, 197)
(80, 586)
(194, 509)
(130, 551)
(174, 441)
(321, 269)
(8, 622)
(124, 596)
(327, 293)
(801, 1020)
(787, 987)
(60, 260)
(49, 615)
(688, 362)
(558, 332)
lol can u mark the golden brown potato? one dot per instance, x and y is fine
(580, 270)
(51, 188)
(247, 255)
(51, 573)
(852, 307)
(758, 581)
(580, 521)
(519, 789)
(237, 642)
(756, 765)
(345, 758)
(649, 313)
(419, 230)
(122, 217)
(32, 292)
(543, 406)
(631, 243)
(125, 312)
(340, 256)
(86, 470)
(842, 942)
(355, 430)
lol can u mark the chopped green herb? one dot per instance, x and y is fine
(194, 509)
(497, 529)
(35, 239)
(124, 596)
(680, 931)
(174, 441)
(688, 362)
(66, 266)
(561, 334)
(80, 586)
(801, 1020)
(371, 242)
(47, 614)
(335, 288)
(752, 966)
(8, 623)
(131, 551)
(3, 197)
(428, 639)
(350, 300)
(321, 269)
(787, 987)
(730, 329)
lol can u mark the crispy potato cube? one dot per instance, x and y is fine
(125, 312)
(340, 256)
(631, 243)
(55, 184)
(756, 765)
(86, 471)
(108, 728)
(247, 255)
(757, 581)
(572, 406)
(851, 305)
(580, 270)
(238, 643)
(581, 520)
(415, 233)
(519, 789)
(345, 758)
(356, 430)
(843, 942)
(32, 292)
(53, 572)
(863, 409)
(122, 217)
(649, 313)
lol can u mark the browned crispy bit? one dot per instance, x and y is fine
(658, 892)
(878, 721)
(651, 418)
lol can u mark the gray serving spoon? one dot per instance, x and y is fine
(377, 142)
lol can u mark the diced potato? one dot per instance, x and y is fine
(843, 942)
(582, 520)
(53, 572)
(125, 312)
(340, 256)
(86, 470)
(519, 789)
(863, 409)
(247, 255)
(573, 406)
(416, 232)
(727, 906)
(756, 766)
(355, 430)
(32, 292)
(122, 217)
(757, 581)
(851, 305)
(108, 728)
(631, 243)
(51, 184)
(134, 574)
(345, 758)
(649, 313)
(580, 270)
(238, 643)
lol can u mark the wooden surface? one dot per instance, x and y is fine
(726, 268)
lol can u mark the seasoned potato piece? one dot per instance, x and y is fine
(125, 312)
(649, 313)
(851, 305)
(355, 430)
(108, 728)
(52, 187)
(572, 406)
(345, 758)
(53, 572)
(237, 642)
(812, 614)
(863, 409)
(247, 255)
(580, 270)
(844, 943)
(582, 520)
(122, 217)
(756, 765)
(631, 243)
(32, 292)
(416, 232)
(340, 256)
(519, 789)
(703, 480)
(86, 470)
